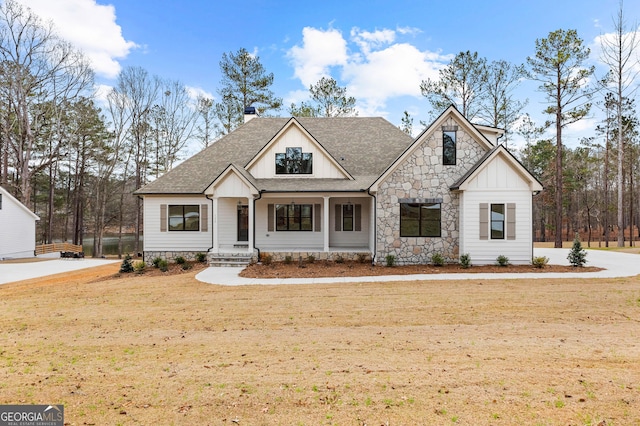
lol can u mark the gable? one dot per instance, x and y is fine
(497, 174)
(499, 169)
(232, 183)
(425, 156)
(263, 166)
(10, 203)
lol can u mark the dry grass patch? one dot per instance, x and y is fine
(172, 350)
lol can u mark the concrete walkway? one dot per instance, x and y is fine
(615, 264)
(10, 272)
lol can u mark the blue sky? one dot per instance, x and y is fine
(379, 50)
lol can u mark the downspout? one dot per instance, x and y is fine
(212, 222)
(375, 226)
(254, 223)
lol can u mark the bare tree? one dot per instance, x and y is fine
(175, 117)
(37, 67)
(206, 126)
(138, 91)
(619, 53)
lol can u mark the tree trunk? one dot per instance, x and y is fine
(558, 236)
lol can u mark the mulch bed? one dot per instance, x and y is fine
(353, 269)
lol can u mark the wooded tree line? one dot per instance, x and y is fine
(77, 164)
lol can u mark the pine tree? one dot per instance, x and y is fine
(577, 256)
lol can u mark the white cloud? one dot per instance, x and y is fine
(370, 40)
(395, 71)
(101, 93)
(376, 69)
(320, 50)
(609, 42)
(90, 27)
(195, 92)
(296, 97)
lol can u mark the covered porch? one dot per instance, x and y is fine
(296, 225)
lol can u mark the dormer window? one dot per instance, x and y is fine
(294, 162)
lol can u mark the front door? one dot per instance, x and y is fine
(243, 223)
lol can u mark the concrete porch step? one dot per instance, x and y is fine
(226, 259)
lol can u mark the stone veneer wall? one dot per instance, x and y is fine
(279, 256)
(423, 175)
(170, 256)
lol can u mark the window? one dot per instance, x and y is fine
(294, 162)
(294, 217)
(420, 219)
(184, 218)
(347, 217)
(497, 221)
(449, 148)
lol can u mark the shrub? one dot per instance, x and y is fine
(390, 259)
(163, 265)
(138, 266)
(156, 261)
(539, 261)
(288, 260)
(180, 260)
(201, 257)
(267, 259)
(311, 258)
(465, 261)
(186, 266)
(502, 260)
(577, 256)
(437, 259)
(126, 266)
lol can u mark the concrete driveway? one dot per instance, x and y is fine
(615, 265)
(10, 272)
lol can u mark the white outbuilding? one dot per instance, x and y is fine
(17, 228)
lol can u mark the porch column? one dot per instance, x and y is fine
(216, 245)
(325, 223)
(251, 224)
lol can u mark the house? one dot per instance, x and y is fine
(345, 187)
(17, 228)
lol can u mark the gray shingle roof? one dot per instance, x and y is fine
(364, 146)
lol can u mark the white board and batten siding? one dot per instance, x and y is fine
(323, 167)
(507, 187)
(17, 228)
(158, 238)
